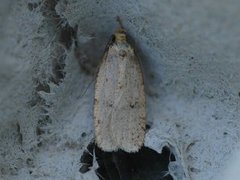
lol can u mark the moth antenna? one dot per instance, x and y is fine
(84, 91)
(120, 22)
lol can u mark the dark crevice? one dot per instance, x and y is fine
(30, 162)
(33, 6)
(48, 10)
(20, 136)
(65, 36)
(36, 100)
(39, 131)
(42, 87)
(148, 126)
(145, 164)
(58, 68)
(87, 159)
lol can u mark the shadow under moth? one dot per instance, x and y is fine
(119, 104)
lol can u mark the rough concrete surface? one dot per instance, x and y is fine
(50, 50)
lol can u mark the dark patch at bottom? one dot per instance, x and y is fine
(146, 164)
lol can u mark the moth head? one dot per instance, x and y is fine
(120, 35)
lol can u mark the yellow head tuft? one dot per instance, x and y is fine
(120, 35)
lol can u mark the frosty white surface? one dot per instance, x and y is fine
(191, 59)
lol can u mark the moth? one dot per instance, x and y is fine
(119, 103)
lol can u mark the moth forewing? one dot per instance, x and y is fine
(119, 105)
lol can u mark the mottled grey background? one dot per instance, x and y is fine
(49, 51)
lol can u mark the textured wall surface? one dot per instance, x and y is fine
(49, 51)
